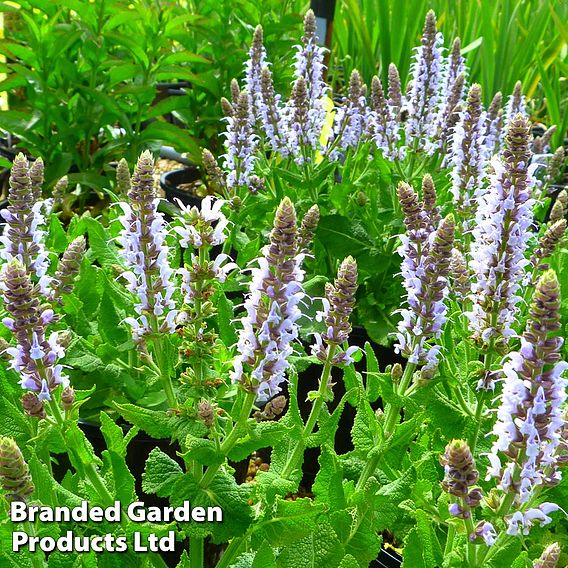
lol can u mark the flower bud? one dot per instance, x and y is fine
(123, 177)
(308, 228)
(549, 558)
(15, 476)
(33, 406)
(396, 372)
(67, 398)
(205, 411)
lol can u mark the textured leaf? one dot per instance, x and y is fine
(222, 492)
(260, 435)
(160, 473)
(156, 423)
(290, 521)
(321, 549)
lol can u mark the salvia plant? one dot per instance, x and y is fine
(346, 151)
(208, 358)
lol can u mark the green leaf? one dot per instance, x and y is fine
(156, 423)
(201, 450)
(328, 485)
(321, 549)
(290, 521)
(222, 492)
(264, 557)
(160, 474)
(14, 423)
(56, 240)
(355, 531)
(122, 478)
(260, 435)
(365, 427)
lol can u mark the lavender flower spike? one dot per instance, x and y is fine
(269, 326)
(145, 254)
(350, 118)
(337, 307)
(35, 356)
(425, 269)
(468, 157)
(530, 418)
(271, 119)
(305, 112)
(493, 125)
(23, 237)
(240, 144)
(426, 71)
(501, 236)
(253, 69)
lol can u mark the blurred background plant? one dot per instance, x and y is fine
(89, 82)
(503, 41)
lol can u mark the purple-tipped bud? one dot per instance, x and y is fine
(557, 212)
(123, 178)
(227, 108)
(36, 178)
(206, 413)
(68, 268)
(395, 90)
(271, 119)
(555, 165)
(235, 94)
(549, 557)
(541, 145)
(60, 189)
(67, 398)
(460, 476)
(548, 243)
(33, 406)
(15, 477)
(429, 199)
(307, 230)
(214, 172)
(461, 285)
(494, 125)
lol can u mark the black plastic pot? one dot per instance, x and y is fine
(170, 182)
(308, 381)
(387, 559)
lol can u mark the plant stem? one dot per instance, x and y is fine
(450, 540)
(391, 416)
(480, 403)
(393, 411)
(314, 414)
(231, 551)
(231, 439)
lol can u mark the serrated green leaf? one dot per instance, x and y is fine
(202, 451)
(321, 549)
(290, 521)
(156, 423)
(14, 423)
(160, 473)
(260, 435)
(328, 485)
(222, 492)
